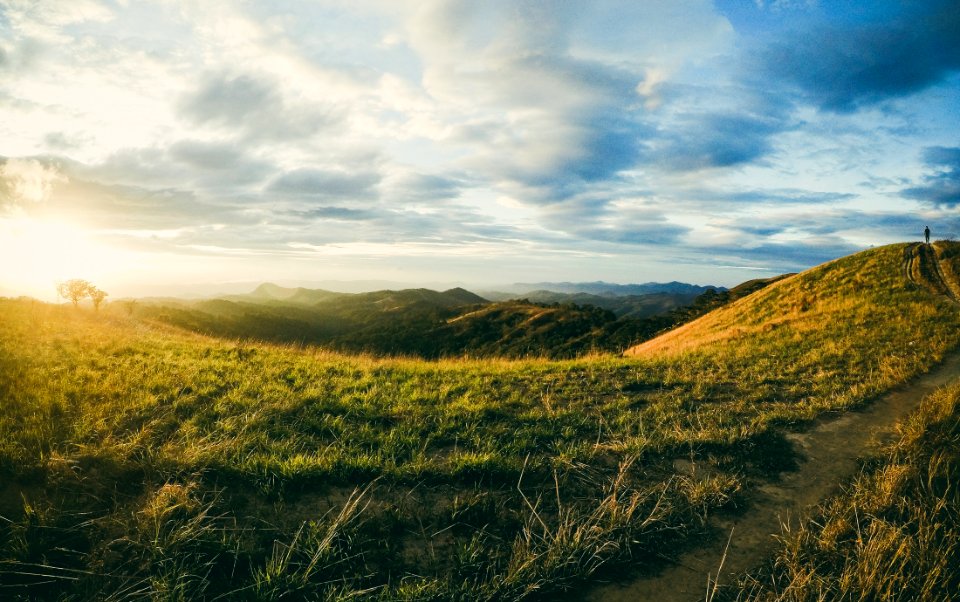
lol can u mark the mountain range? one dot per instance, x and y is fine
(431, 324)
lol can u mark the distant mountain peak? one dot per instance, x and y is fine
(270, 290)
(463, 294)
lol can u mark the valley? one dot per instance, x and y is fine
(454, 323)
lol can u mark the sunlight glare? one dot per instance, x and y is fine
(38, 254)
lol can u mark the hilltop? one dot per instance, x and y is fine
(139, 457)
(867, 291)
(267, 292)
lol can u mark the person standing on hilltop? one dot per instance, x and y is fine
(926, 234)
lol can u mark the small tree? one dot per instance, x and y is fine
(97, 296)
(75, 290)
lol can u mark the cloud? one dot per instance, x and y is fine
(62, 141)
(334, 213)
(218, 167)
(634, 131)
(840, 230)
(255, 107)
(24, 181)
(412, 187)
(46, 19)
(569, 122)
(718, 140)
(135, 208)
(214, 156)
(550, 95)
(942, 187)
(787, 256)
(323, 184)
(597, 219)
(230, 100)
(650, 233)
(768, 197)
(842, 69)
(611, 144)
(65, 190)
(780, 5)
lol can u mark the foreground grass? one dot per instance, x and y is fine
(893, 535)
(146, 462)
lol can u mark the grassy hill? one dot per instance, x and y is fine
(413, 322)
(819, 314)
(137, 459)
(388, 322)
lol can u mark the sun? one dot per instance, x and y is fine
(37, 254)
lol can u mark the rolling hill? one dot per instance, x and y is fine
(142, 460)
(869, 291)
(430, 324)
(384, 321)
(412, 322)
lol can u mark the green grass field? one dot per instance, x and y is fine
(142, 461)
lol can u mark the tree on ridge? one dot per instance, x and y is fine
(77, 288)
(97, 296)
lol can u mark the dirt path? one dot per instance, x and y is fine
(829, 453)
(922, 267)
(948, 284)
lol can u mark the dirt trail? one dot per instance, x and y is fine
(829, 453)
(948, 283)
(921, 266)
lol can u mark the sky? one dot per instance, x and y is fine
(146, 145)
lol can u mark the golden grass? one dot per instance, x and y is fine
(894, 534)
(195, 456)
(845, 297)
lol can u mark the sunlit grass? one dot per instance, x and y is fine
(893, 534)
(180, 465)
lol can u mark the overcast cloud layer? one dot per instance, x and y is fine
(480, 142)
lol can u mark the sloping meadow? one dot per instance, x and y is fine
(136, 459)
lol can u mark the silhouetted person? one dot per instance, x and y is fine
(926, 234)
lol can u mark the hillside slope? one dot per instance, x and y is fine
(136, 457)
(871, 291)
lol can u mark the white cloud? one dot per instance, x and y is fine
(28, 181)
(596, 126)
(554, 84)
(45, 19)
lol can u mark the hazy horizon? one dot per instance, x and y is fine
(170, 142)
(214, 289)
